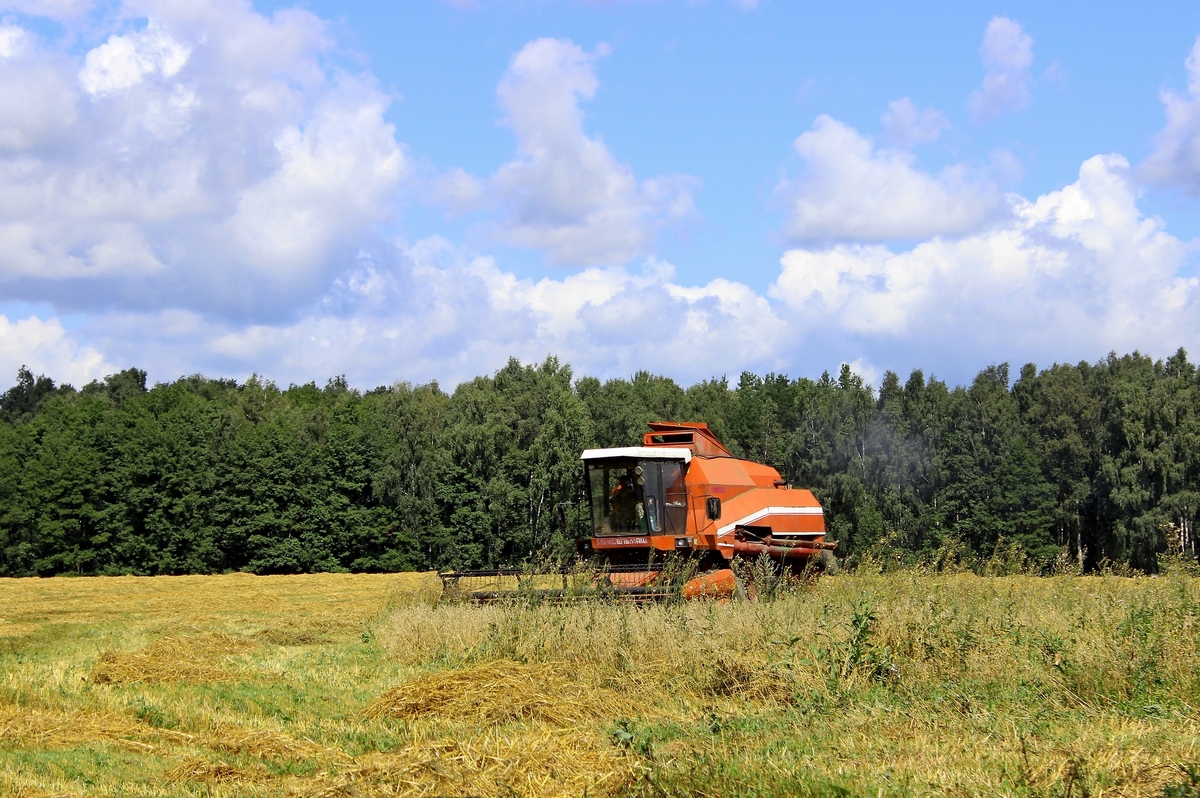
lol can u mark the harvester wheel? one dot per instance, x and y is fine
(745, 589)
(827, 563)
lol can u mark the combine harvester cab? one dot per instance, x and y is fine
(679, 497)
(682, 491)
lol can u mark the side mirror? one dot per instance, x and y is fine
(713, 506)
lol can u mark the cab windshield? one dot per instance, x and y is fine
(637, 497)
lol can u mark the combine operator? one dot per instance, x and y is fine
(626, 509)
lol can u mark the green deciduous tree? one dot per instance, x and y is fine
(1098, 461)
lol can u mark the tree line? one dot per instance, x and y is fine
(1088, 464)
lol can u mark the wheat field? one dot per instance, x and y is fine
(367, 685)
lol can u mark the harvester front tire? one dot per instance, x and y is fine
(827, 563)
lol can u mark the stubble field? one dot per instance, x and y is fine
(362, 685)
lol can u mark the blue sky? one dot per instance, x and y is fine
(419, 190)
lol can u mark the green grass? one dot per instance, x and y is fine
(898, 684)
(894, 684)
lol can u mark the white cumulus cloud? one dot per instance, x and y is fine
(37, 104)
(1077, 272)
(1071, 274)
(57, 10)
(432, 311)
(906, 126)
(123, 61)
(45, 347)
(204, 156)
(849, 190)
(1007, 53)
(1176, 156)
(1068, 275)
(335, 172)
(12, 40)
(565, 193)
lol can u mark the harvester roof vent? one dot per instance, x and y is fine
(694, 435)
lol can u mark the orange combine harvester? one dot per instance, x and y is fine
(683, 495)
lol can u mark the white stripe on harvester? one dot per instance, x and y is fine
(750, 519)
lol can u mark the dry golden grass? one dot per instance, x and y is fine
(333, 601)
(173, 659)
(543, 762)
(904, 683)
(32, 728)
(265, 744)
(28, 726)
(120, 672)
(1094, 636)
(203, 771)
(499, 692)
(339, 685)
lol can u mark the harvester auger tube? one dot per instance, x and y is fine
(783, 549)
